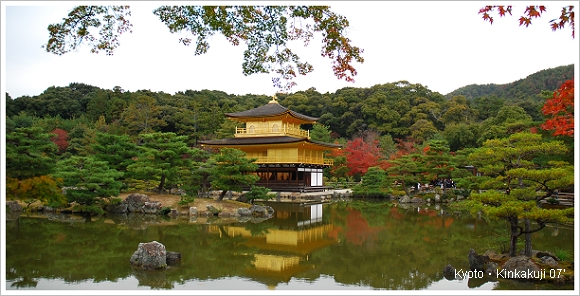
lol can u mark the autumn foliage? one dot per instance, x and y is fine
(44, 188)
(266, 30)
(361, 155)
(61, 139)
(358, 229)
(560, 110)
(532, 12)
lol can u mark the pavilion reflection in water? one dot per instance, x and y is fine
(283, 250)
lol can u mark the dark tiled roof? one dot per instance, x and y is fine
(269, 110)
(264, 140)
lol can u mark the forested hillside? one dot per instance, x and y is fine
(548, 79)
(104, 141)
(400, 110)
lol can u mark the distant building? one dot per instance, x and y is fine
(288, 160)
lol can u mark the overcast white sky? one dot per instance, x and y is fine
(441, 45)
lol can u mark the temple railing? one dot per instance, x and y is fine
(305, 160)
(280, 131)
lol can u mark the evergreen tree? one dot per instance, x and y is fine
(29, 153)
(233, 171)
(404, 170)
(88, 179)
(117, 150)
(143, 115)
(372, 184)
(320, 133)
(437, 161)
(30, 158)
(516, 181)
(197, 180)
(163, 157)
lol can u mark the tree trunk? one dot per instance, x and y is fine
(161, 184)
(405, 188)
(223, 232)
(528, 241)
(221, 197)
(514, 232)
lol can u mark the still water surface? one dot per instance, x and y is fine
(358, 246)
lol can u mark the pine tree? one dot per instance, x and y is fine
(87, 180)
(232, 171)
(515, 181)
(372, 184)
(29, 153)
(164, 157)
(117, 150)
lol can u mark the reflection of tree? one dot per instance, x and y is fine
(23, 282)
(100, 251)
(71, 251)
(358, 230)
(223, 232)
(404, 249)
(396, 249)
(156, 279)
(373, 212)
(259, 229)
(207, 255)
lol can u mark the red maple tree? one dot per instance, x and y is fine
(361, 155)
(61, 139)
(560, 110)
(404, 147)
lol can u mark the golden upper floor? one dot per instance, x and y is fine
(271, 119)
(271, 128)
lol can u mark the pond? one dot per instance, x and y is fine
(355, 245)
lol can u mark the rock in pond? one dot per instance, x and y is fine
(150, 255)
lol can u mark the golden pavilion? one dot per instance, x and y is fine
(287, 158)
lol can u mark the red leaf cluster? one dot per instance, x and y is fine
(501, 10)
(560, 109)
(61, 139)
(361, 155)
(566, 16)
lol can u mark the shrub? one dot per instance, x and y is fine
(54, 204)
(115, 201)
(44, 188)
(371, 195)
(185, 200)
(464, 192)
(215, 210)
(259, 192)
(135, 185)
(90, 209)
(448, 194)
(563, 255)
(430, 195)
(165, 210)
